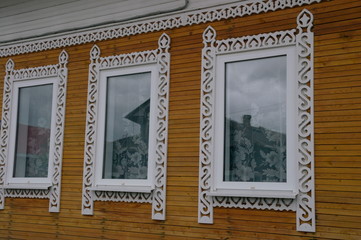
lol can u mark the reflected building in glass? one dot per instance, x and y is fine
(255, 120)
(254, 154)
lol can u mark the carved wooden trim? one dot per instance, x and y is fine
(302, 39)
(306, 198)
(240, 9)
(161, 57)
(59, 71)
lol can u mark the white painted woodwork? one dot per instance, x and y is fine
(23, 19)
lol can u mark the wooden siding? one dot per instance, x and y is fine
(337, 141)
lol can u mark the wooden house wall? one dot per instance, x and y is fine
(337, 115)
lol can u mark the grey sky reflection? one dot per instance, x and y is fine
(124, 94)
(35, 104)
(258, 88)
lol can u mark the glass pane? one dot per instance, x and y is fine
(255, 120)
(33, 131)
(127, 127)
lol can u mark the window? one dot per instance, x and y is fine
(126, 140)
(125, 158)
(32, 138)
(256, 133)
(32, 130)
(255, 127)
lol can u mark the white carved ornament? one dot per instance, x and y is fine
(27, 193)
(302, 38)
(281, 204)
(306, 180)
(59, 71)
(240, 9)
(122, 196)
(161, 57)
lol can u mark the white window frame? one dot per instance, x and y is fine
(152, 190)
(49, 187)
(256, 189)
(301, 38)
(24, 181)
(127, 184)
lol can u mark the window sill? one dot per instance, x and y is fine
(142, 189)
(39, 186)
(253, 193)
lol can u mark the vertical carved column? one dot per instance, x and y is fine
(205, 203)
(89, 151)
(305, 145)
(4, 137)
(159, 193)
(54, 203)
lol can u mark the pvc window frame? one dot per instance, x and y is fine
(49, 187)
(132, 185)
(256, 189)
(152, 190)
(302, 39)
(25, 181)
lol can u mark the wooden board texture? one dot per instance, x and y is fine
(337, 140)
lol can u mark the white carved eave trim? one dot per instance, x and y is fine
(234, 10)
(304, 204)
(156, 196)
(60, 72)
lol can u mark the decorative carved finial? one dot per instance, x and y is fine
(10, 65)
(164, 41)
(305, 20)
(95, 52)
(209, 35)
(63, 57)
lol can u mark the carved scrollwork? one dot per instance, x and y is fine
(240, 9)
(62, 75)
(59, 71)
(159, 192)
(205, 207)
(302, 39)
(161, 57)
(5, 127)
(306, 196)
(89, 150)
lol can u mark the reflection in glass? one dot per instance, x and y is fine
(255, 120)
(127, 126)
(33, 131)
